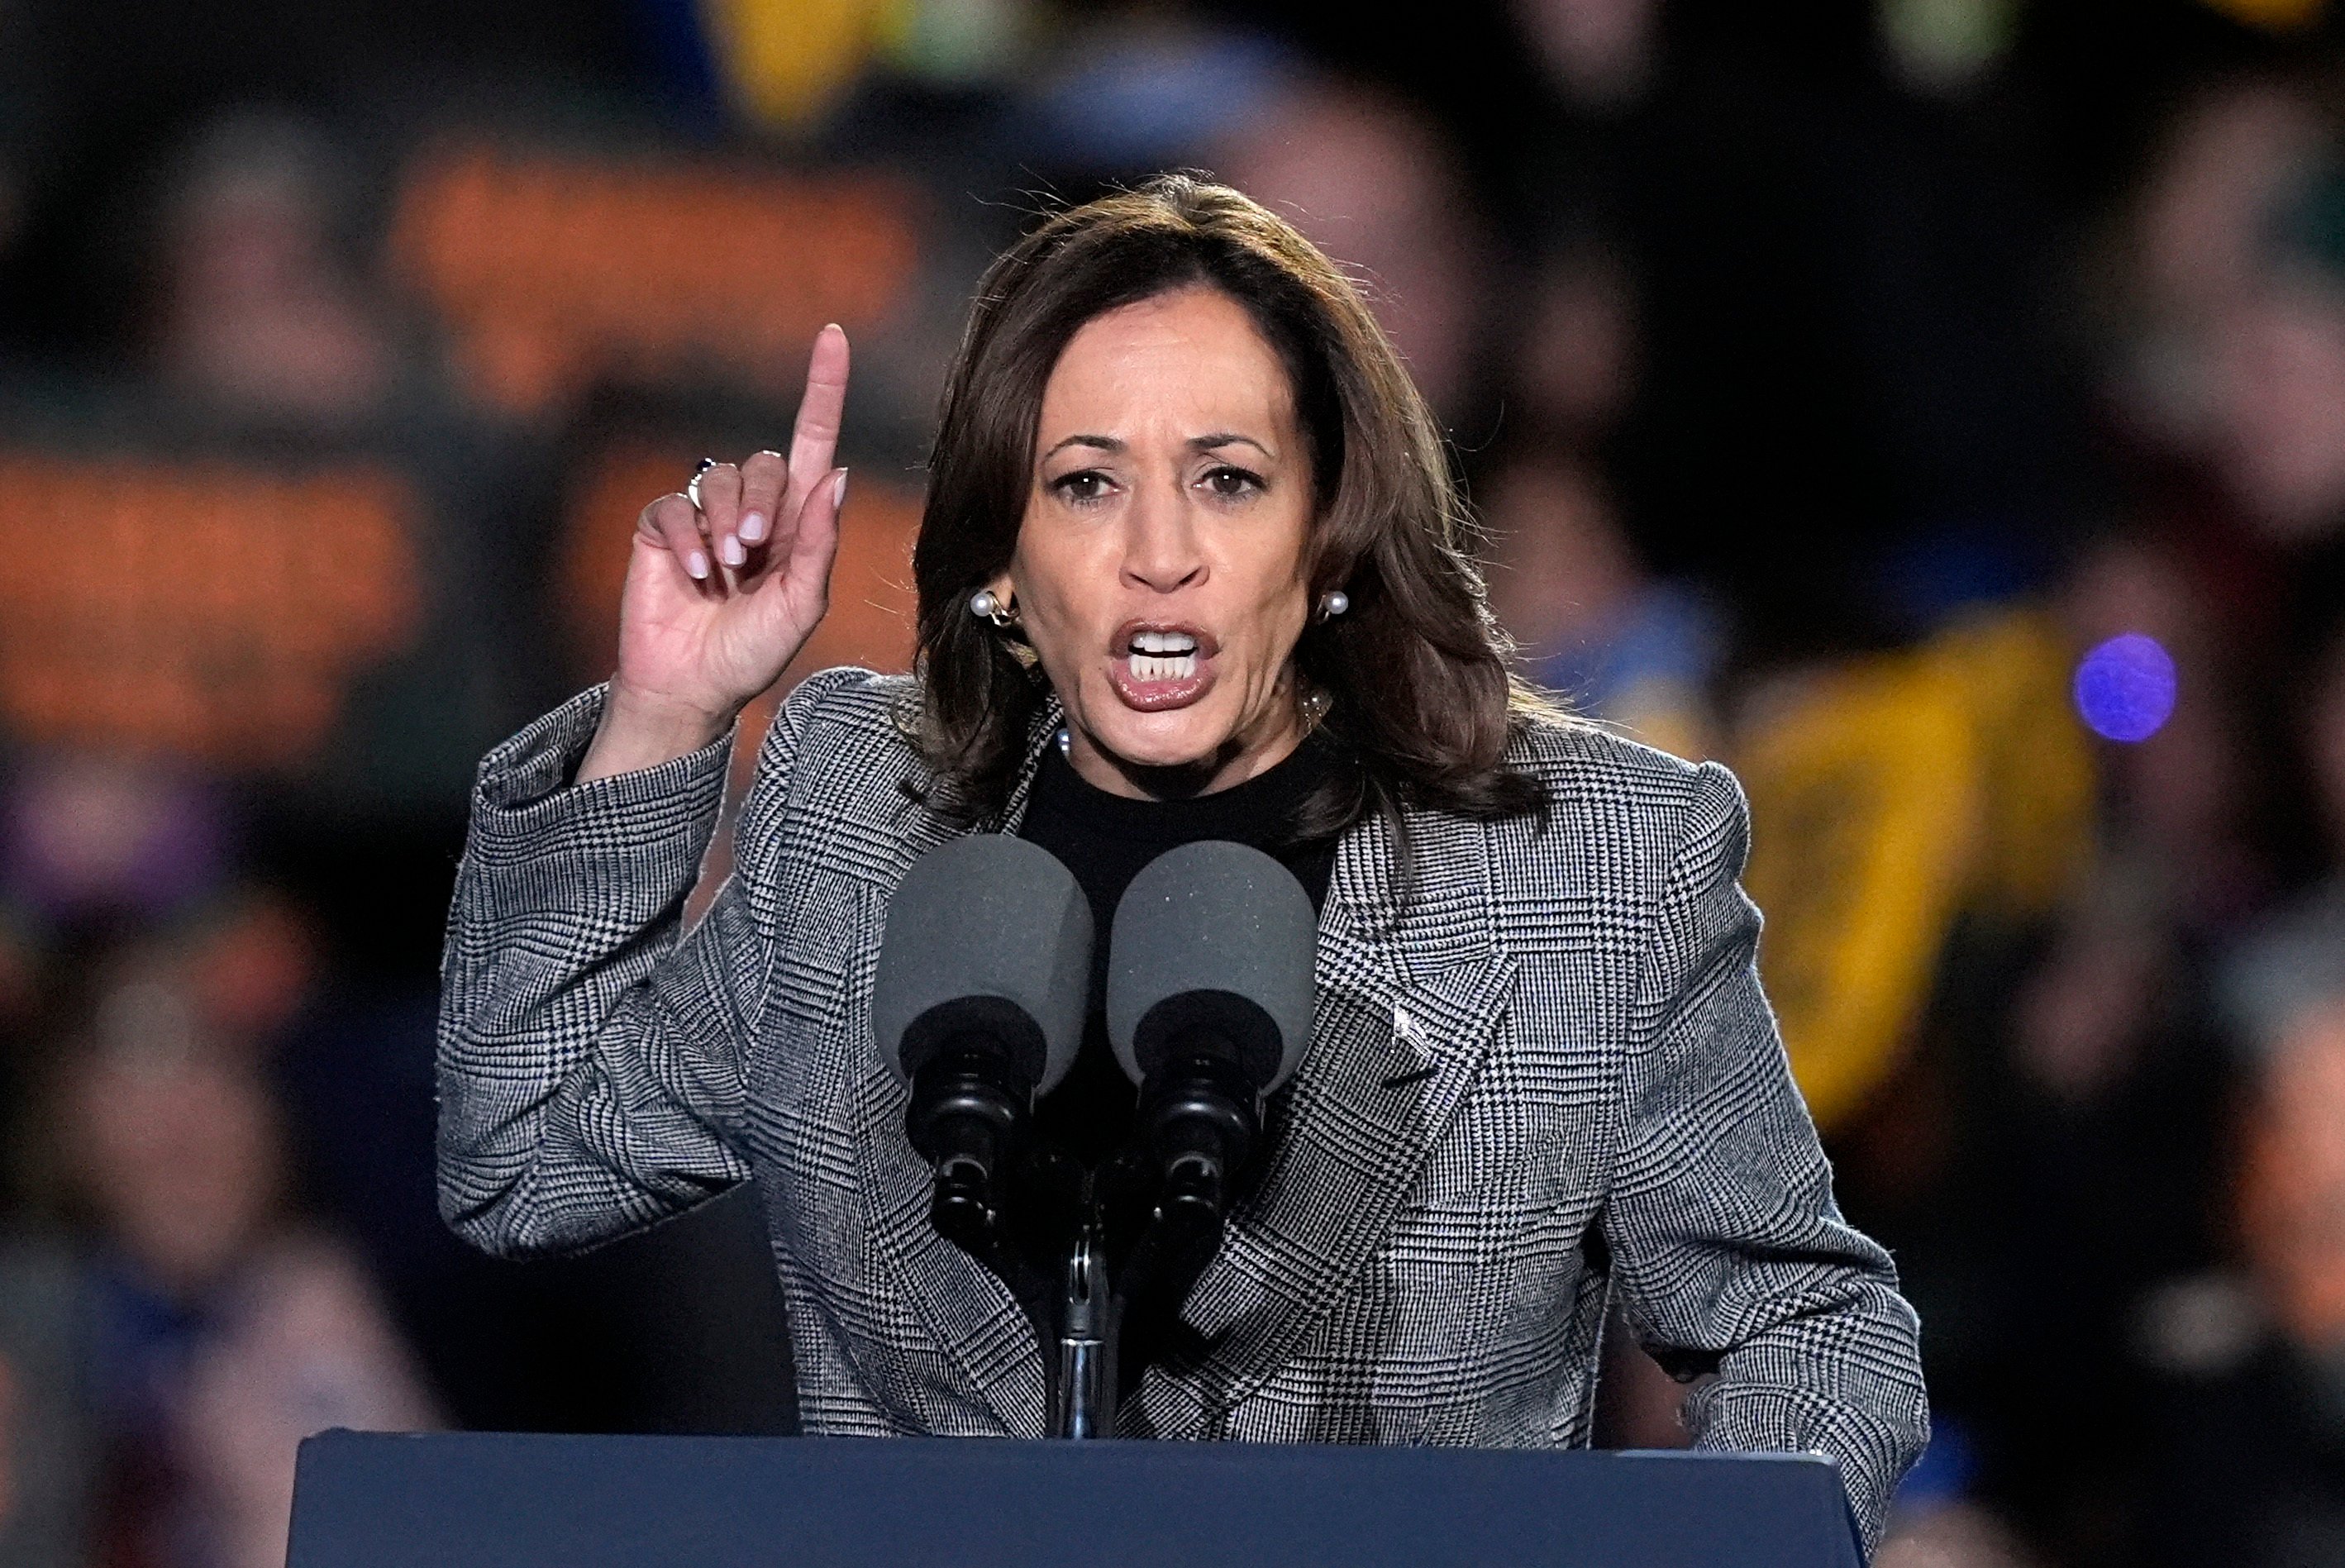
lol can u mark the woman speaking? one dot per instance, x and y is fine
(1191, 567)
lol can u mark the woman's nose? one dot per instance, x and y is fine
(1160, 547)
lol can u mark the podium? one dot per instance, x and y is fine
(366, 1499)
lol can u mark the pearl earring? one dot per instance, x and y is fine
(1334, 603)
(987, 606)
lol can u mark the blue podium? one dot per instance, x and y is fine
(366, 1499)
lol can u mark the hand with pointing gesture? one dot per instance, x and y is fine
(721, 596)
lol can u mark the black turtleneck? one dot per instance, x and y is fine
(1105, 840)
(1082, 1125)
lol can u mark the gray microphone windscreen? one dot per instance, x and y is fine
(1221, 926)
(988, 932)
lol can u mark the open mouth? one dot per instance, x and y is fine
(1160, 667)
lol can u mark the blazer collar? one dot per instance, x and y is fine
(1407, 1002)
(1041, 732)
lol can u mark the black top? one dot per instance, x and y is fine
(1081, 1126)
(1106, 840)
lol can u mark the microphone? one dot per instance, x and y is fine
(1209, 995)
(984, 974)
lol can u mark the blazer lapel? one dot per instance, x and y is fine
(1405, 1014)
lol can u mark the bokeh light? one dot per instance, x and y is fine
(2125, 688)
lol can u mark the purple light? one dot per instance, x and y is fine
(2124, 688)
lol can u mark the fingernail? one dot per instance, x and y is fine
(729, 551)
(752, 526)
(839, 492)
(696, 564)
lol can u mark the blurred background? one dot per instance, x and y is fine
(1935, 408)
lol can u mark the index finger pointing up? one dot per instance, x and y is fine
(815, 440)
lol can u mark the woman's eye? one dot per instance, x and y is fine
(1230, 483)
(1089, 484)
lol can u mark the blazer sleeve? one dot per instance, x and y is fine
(590, 1053)
(1730, 1252)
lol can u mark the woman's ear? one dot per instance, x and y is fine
(1007, 617)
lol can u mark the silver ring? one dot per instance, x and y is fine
(691, 487)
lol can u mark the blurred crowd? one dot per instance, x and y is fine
(1934, 408)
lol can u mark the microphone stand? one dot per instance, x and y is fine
(1083, 1389)
(1198, 1127)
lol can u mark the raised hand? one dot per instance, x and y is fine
(721, 596)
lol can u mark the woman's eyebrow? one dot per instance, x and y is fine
(1208, 443)
(1104, 443)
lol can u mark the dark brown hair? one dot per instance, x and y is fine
(1422, 704)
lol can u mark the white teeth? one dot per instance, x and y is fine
(1163, 655)
(1179, 667)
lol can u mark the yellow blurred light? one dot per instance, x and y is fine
(785, 61)
(2273, 16)
(1889, 796)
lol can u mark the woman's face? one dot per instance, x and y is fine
(1162, 567)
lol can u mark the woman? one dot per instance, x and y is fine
(1191, 566)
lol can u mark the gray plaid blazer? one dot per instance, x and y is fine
(1545, 1074)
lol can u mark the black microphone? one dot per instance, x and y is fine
(984, 974)
(1208, 1009)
